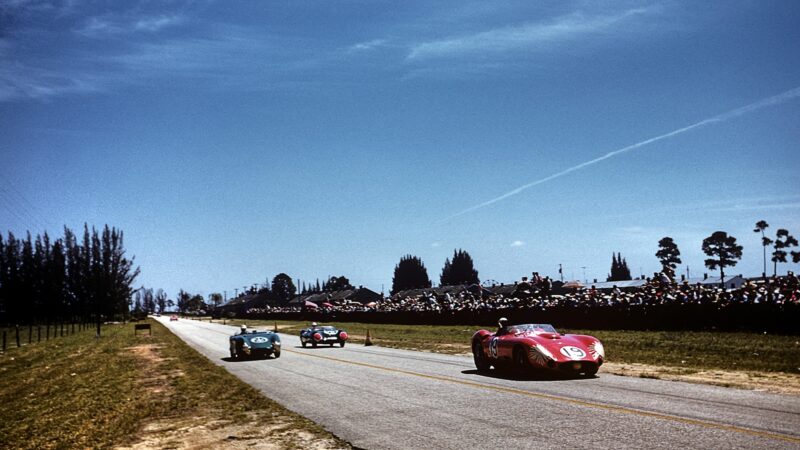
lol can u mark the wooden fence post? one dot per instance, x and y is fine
(30, 333)
(38, 333)
(47, 331)
(62, 329)
(16, 327)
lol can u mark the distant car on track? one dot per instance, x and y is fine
(319, 335)
(255, 344)
(528, 347)
(173, 318)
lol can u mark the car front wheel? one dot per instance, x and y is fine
(520, 360)
(480, 359)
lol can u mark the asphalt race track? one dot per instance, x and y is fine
(379, 398)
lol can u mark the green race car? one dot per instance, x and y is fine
(255, 344)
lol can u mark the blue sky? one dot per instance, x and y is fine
(231, 142)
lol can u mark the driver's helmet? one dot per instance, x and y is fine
(244, 328)
(313, 324)
(502, 322)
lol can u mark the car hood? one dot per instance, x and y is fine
(260, 340)
(566, 347)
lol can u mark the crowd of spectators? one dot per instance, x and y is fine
(539, 293)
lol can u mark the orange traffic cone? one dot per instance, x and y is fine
(368, 340)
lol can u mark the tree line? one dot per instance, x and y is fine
(722, 250)
(69, 279)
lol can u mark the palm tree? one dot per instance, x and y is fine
(762, 225)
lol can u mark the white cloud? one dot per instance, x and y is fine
(18, 80)
(436, 244)
(517, 244)
(531, 35)
(104, 26)
(369, 45)
(153, 24)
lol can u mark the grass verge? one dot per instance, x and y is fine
(138, 391)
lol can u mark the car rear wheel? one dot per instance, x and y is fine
(480, 359)
(233, 354)
(303, 343)
(277, 354)
(341, 343)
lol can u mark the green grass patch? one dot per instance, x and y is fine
(79, 391)
(703, 350)
(688, 350)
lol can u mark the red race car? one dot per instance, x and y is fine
(537, 347)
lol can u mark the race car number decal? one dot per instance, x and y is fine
(258, 340)
(573, 352)
(493, 347)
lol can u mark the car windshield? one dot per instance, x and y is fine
(532, 328)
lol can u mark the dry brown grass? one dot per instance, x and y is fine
(142, 391)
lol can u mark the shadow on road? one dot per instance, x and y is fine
(238, 360)
(311, 347)
(532, 376)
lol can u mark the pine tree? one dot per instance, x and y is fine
(460, 271)
(283, 289)
(619, 269)
(669, 255)
(723, 252)
(410, 273)
(783, 240)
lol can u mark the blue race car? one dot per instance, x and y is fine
(319, 335)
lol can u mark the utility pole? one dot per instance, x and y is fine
(561, 272)
(584, 274)
(235, 292)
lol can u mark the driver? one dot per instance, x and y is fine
(313, 325)
(502, 326)
(243, 330)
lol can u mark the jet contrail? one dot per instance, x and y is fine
(769, 101)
